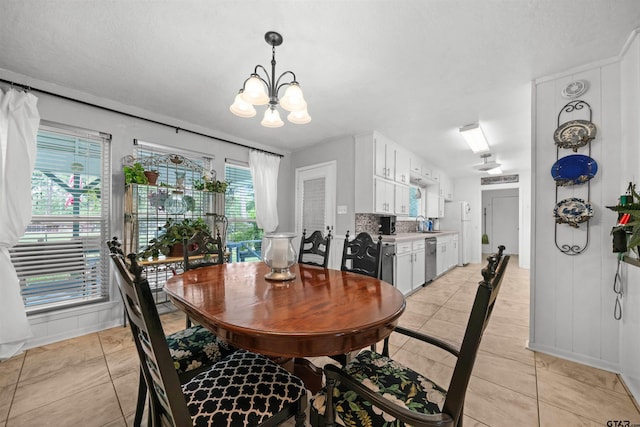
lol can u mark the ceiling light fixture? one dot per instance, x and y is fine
(475, 137)
(495, 171)
(487, 166)
(257, 90)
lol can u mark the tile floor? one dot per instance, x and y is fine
(92, 380)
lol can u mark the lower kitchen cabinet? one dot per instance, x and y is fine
(410, 266)
(446, 253)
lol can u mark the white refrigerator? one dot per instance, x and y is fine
(457, 217)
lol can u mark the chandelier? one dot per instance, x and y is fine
(257, 90)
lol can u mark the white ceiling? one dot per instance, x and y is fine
(415, 70)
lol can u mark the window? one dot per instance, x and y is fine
(244, 238)
(61, 259)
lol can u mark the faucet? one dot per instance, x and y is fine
(420, 223)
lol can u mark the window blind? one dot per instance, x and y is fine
(240, 209)
(61, 259)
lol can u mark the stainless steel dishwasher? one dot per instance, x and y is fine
(430, 249)
(386, 265)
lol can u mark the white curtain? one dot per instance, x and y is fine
(264, 172)
(19, 121)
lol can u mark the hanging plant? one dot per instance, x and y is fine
(134, 174)
(632, 228)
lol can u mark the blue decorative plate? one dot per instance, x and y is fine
(574, 169)
(572, 211)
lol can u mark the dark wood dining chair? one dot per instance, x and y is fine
(201, 250)
(362, 255)
(192, 349)
(314, 250)
(243, 388)
(389, 382)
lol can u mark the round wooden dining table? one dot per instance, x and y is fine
(322, 312)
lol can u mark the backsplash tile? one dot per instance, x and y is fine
(370, 223)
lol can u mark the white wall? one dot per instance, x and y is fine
(342, 150)
(469, 189)
(63, 324)
(571, 296)
(630, 323)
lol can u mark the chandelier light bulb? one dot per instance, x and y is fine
(254, 91)
(301, 117)
(293, 100)
(242, 108)
(272, 118)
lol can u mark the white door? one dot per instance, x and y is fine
(504, 223)
(315, 199)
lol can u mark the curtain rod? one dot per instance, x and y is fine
(31, 88)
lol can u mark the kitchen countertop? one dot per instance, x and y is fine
(405, 237)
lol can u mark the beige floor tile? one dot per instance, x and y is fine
(508, 347)
(447, 331)
(497, 406)
(591, 402)
(36, 392)
(454, 316)
(91, 407)
(421, 307)
(505, 372)
(122, 362)
(6, 397)
(430, 351)
(10, 370)
(583, 373)
(115, 339)
(120, 422)
(470, 422)
(127, 391)
(550, 416)
(413, 320)
(42, 360)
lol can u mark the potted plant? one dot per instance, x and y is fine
(134, 174)
(630, 225)
(152, 176)
(169, 241)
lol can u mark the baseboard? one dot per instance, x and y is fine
(633, 388)
(575, 357)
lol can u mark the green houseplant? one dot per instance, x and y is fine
(213, 186)
(134, 174)
(171, 235)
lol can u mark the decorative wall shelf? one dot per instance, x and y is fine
(573, 172)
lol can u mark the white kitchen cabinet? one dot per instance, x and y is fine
(403, 267)
(433, 202)
(401, 200)
(446, 253)
(440, 207)
(418, 264)
(402, 165)
(446, 187)
(384, 200)
(409, 267)
(385, 156)
(415, 165)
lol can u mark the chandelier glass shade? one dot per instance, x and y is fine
(263, 90)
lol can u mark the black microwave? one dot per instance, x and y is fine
(388, 225)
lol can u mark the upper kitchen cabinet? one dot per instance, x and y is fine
(446, 187)
(384, 151)
(403, 165)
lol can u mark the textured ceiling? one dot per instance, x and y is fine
(415, 70)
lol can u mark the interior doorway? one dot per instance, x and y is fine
(501, 220)
(315, 198)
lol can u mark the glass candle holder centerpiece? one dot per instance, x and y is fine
(279, 254)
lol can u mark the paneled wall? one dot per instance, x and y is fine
(572, 300)
(630, 323)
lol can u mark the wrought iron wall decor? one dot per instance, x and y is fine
(573, 172)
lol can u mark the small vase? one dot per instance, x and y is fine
(152, 177)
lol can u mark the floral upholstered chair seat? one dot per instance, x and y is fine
(388, 378)
(196, 347)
